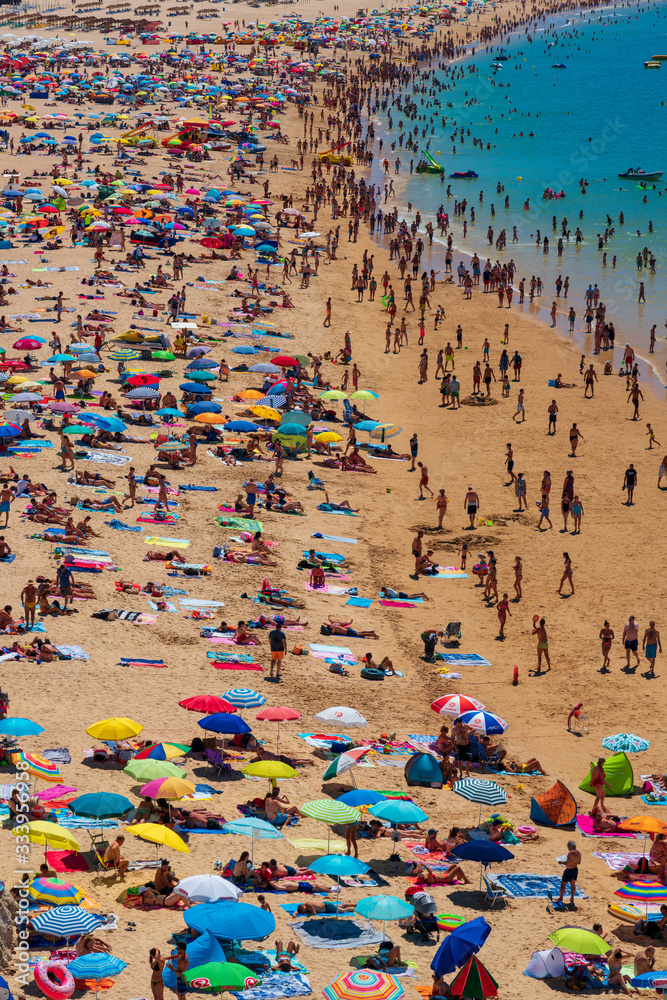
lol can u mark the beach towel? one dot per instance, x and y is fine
(103, 457)
(652, 801)
(326, 509)
(422, 741)
(239, 523)
(465, 660)
(321, 649)
(170, 606)
(191, 486)
(359, 602)
(399, 604)
(170, 543)
(192, 602)
(277, 984)
(9, 559)
(126, 662)
(334, 538)
(222, 665)
(618, 860)
(328, 588)
(67, 861)
(120, 525)
(521, 885)
(232, 657)
(344, 932)
(447, 576)
(74, 652)
(585, 824)
(332, 557)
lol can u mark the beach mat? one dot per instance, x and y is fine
(522, 885)
(237, 666)
(585, 825)
(67, 861)
(334, 538)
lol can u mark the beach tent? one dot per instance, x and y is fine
(556, 807)
(545, 964)
(620, 778)
(200, 951)
(423, 769)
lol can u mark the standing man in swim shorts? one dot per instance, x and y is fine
(6, 497)
(631, 640)
(461, 738)
(571, 873)
(278, 646)
(471, 505)
(414, 451)
(552, 410)
(423, 482)
(650, 644)
(629, 483)
(542, 645)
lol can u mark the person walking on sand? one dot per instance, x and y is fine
(606, 638)
(327, 318)
(518, 577)
(471, 505)
(503, 609)
(590, 378)
(423, 482)
(554, 309)
(542, 645)
(552, 410)
(600, 785)
(414, 451)
(6, 497)
(520, 492)
(544, 511)
(575, 434)
(520, 407)
(635, 395)
(650, 434)
(441, 506)
(630, 639)
(571, 871)
(509, 462)
(650, 645)
(567, 573)
(662, 471)
(629, 483)
(29, 601)
(278, 647)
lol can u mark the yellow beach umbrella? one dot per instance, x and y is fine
(266, 412)
(159, 835)
(328, 437)
(272, 769)
(48, 834)
(114, 729)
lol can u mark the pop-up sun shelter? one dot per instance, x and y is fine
(424, 770)
(618, 771)
(556, 807)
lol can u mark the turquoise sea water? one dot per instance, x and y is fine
(593, 119)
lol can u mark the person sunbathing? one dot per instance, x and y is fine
(284, 957)
(341, 505)
(428, 877)
(143, 812)
(344, 628)
(278, 809)
(250, 558)
(283, 505)
(390, 594)
(432, 844)
(88, 944)
(173, 556)
(92, 479)
(385, 664)
(272, 621)
(388, 956)
(425, 566)
(280, 600)
(326, 906)
(532, 764)
(151, 898)
(259, 545)
(348, 464)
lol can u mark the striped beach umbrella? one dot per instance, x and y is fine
(330, 811)
(484, 722)
(162, 751)
(55, 891)
(474, 981)
(66, 921)
(242, 697)
(123, 354)
(96, 966)
(39, 767)
(625, 742)
(364, 984)
(456, 704)
(650, 891)
(487, 793)
(345, 762)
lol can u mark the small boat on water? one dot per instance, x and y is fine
(637, 174)
(463, 175)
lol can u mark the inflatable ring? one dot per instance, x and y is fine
(449, 921)
(527, 829)
(372, 674)
(625, 911)
(54, 980)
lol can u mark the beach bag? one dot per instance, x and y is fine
(297, 651)
(325, 630)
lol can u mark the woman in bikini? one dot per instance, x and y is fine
(157, 964)
(428, 877)
(606, 637)
(567, 573)
(518, 577)
(151, 898)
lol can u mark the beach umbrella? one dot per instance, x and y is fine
(474, 981)
(328, 437)
(361, 797)
(396, 811)
(271, 769)
(55, 891)
(365, 394)
(221, 976)
(579, 940)
(114, 729)
(484, 722)
(225, 723)
(339, 715)
(7, 431)
(243, 697)
(487, 852)
(266, 412)
(163, 751)
(159, 835)
(487, 793)
(278, 714)
(168, 788)
(463, 942)
(97, 965)
(195, 409)
(264, 368)
(650, 891)
(168, 411)
(330, 811)
(626, 743)
(76, 429)
(455, 705)
(146, 770)
(292, 430)
(256, 829)
(364, 984)
(383, 908)
(384, 431)
(66, 921)
(333, 394)
(123, 354)
(16, 726)
(28, 344)
(207, 888)
(207, 703)
(142, 392)
(242, 426)
(283, 361)
(100, 805)
(344, 762)
(49, 834)
(643, 824)
(231, 921)
(297, 417)
(650, 980)
(39, 767)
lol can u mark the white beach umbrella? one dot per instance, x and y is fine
(341, 716)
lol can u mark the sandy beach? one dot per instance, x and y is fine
(462, 448)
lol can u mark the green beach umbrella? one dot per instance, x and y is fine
(77, 429)
(148, 770)
(580, 940)
(221, 976)
(333, 394)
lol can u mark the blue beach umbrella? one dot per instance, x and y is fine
(15, 726)
(96, 966)
(231, 921)
(209, 407)
(169, 411)
(484, 722)
(463, 942)
(338, 865)
(243, 426)
(487, 852)
(383, 908)
(626, 742)
(244, 349)
(223, 722)
(396, 811)
(243, 697)
(195, 388)
(101, 805)
(66, 921)
(650, 980)
(361, 797)
(256, 829)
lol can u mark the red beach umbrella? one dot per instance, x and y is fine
(208, 703)
(284, 362)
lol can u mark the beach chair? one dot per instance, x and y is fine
(579, 722)
(348, 413)
(452, 636)
(313, 482)
(102, 865)
(494, 893)
(217, 762)
(97, 841)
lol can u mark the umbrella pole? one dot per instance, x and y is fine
(278, 739)
(480, 876)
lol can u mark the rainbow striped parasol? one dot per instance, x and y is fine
(364, 985)
(648, 891)
(40, 767)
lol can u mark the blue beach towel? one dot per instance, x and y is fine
(360, 602)
(121, 526)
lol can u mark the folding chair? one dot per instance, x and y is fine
(494, 893)
(452, 636)
(217, 762)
